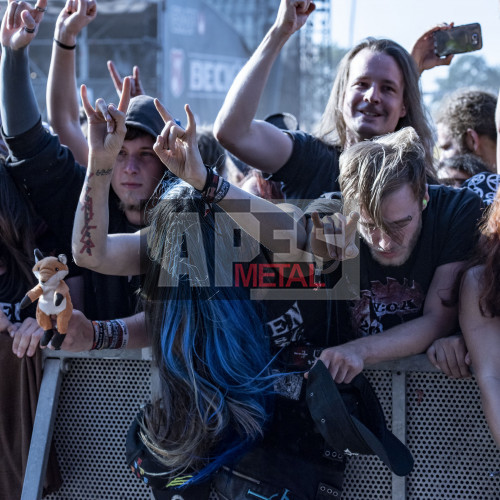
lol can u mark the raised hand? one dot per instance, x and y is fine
(135, 82)
(106, 122)
(178, 150)
(293, 14)
(423, 50)
(75, 15)
(332, 237)
(20, 23)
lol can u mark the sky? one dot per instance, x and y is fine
(405, 20)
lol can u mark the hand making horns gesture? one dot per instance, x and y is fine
(20, 23)
(178, 149)
(332, 237)
(106, 122)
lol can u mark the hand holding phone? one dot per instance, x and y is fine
(457, 40)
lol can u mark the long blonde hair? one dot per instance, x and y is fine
(332, 127)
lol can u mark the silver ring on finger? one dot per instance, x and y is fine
(40, 9)
(29, 30)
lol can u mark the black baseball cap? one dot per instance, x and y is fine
(350, 418)
(143, 115)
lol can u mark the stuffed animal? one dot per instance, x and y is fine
(53, 297)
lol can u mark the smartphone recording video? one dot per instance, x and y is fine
(458, 40)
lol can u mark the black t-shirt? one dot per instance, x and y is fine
(48, 174)
(10, 308)
(10, 301)
(312, 169)
(277, 287)
(298, 330)
(391, 295)
(14, 286)
(296, 323)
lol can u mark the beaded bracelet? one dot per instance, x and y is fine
(111, 334)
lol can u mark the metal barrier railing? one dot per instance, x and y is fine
(439, 419)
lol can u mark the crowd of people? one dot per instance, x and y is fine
(378, 251)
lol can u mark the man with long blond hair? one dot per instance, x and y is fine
(375, 92)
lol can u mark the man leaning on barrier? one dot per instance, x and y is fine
(414, 239)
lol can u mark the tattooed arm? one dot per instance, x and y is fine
(92, 246)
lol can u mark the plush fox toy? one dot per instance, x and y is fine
(53, 297)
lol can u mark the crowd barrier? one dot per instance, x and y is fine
(87, 402)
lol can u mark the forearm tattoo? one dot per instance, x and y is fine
(88, 214)
(109, 171)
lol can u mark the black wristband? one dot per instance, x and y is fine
(64, 46)
(210, 191)
(222, 191)
(208, 180)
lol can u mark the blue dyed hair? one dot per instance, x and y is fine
(209, 344)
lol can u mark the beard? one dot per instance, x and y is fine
(133, 207)
(405, 251)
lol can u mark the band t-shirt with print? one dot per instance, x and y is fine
(391, 295)
(485, 185)
(9, 306)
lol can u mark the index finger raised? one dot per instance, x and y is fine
(191, 122)
(163, 111)
(89, 110)
(115, 76)
(125, 97)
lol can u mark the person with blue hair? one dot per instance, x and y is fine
(209, 344)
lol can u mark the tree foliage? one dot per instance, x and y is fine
(318, 72)
(468, 71)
